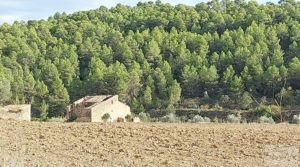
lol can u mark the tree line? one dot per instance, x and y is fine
(154, 55)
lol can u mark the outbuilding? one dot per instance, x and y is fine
(93, 109)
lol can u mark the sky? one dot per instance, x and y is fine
(12, 10)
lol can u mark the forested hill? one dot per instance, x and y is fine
(154, 55)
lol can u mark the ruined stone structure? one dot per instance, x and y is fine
(92, 109)
(16, 112)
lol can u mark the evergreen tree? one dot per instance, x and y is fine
(174, 93)
(147, 96)
(5, 92)
(29, 86)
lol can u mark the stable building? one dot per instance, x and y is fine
(93, 108)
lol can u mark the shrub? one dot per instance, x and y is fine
(268, 110)
(183, 119)
(105, 117)
(206, 119)
(264, 119)
(233, 119)
(296, 119)
(199, 119)
(171, 118)
(144, 117)
(215, 120)
(204, 107)
(217, 107)
(263, 110)
(225, 100)
(245, 101)
(129, 118)
(57, 119)
(191, 116)
(263, 100)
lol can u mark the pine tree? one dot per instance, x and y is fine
(147, 96)
(5, 92)
(29, 86)
(174, 93)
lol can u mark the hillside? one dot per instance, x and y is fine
(154, 55)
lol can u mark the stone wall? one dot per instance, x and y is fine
(74, 110)
(16, 112)
(84, 116)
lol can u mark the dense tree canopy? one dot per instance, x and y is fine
(153, 55)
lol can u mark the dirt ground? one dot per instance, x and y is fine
(147, 144)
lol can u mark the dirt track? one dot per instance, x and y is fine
(128, 144)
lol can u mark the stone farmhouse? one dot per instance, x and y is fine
(92, 109)
(16, 112)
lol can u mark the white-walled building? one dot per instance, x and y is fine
(92, 109)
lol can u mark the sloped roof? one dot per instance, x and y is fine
(97, 99)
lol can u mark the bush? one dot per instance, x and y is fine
(263, 109)
(191, 116)
(217, 107)
(206, 119)
(245, 101)
(105, 117)
(144, 117)
(215, 120)
(264, 119)
(57, 119)
(225, 100)
(204, 107)
(233, 119)
(129, 118)
(183, 119)
(268, 110)
(199, 119)
(296, 119)
(171, 118)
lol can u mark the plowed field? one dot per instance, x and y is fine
(147, 144)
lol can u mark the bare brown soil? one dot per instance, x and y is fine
(143, 144)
